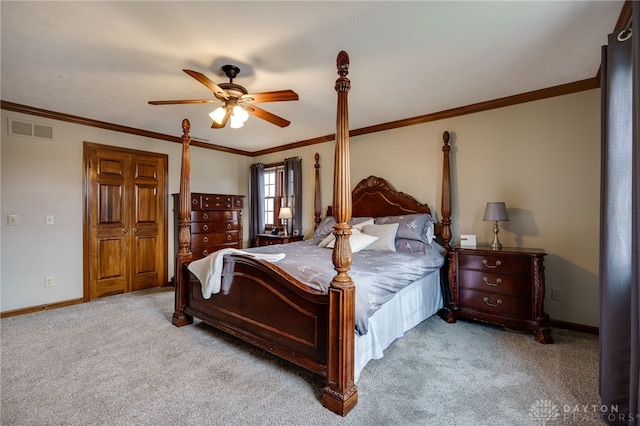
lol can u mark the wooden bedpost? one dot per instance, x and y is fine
(183, 255)
(446, 193)
(340, 394)
(317, 202)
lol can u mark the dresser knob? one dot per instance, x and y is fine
(205, 216)
(228, 215)
(205, 239)
(229, 237)
(206, 252)
(229, 226)
(493, 305)
(205, 227)
(485, 263)
(486, 281)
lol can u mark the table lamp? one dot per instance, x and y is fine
(496, 212)
(285, 215)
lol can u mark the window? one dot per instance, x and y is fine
(273, 187)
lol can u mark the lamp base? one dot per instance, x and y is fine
(495, 245)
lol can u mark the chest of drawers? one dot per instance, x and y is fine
(216, 222)
(504, 287)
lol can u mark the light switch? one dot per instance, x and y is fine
(50, 219)
(13, 220)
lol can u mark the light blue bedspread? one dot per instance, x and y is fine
(377, 275)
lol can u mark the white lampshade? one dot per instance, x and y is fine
(218, 114)
(236, 123)
(285, 213)
(240, 113)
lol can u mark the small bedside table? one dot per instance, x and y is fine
(270, 239)
(503, 287)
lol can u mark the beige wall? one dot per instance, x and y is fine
(40, 178)
(542, 158)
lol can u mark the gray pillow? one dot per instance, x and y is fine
(410, 246)
(419, 227)
(327, 223)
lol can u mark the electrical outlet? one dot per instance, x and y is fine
(555, 294)
(50, 219)
(13, 220)
(48, 282)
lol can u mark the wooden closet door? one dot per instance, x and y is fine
(125, 217)
(147, 215)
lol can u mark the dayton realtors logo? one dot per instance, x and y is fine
(545, 412)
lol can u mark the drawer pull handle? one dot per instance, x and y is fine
(485, 263)
(205, 216)
(486, 281)
(205, 239)
(206, 252)
(229, 237)
(493, 305)
(228, 226)
(228, 215)
(205, 227)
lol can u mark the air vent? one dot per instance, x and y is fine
(33, 130)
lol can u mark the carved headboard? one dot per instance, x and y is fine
(376, 197)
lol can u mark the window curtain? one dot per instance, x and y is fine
(620, 202)
(293, 192)
(256, 201)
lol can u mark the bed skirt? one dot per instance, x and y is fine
(408, 308)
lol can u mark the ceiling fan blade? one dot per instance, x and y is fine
(277, 96)
(217, 90)
(224, 121)
(184, 101)
(266, 115)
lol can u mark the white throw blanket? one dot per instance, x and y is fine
(208, 270)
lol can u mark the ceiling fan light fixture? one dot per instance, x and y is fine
(236, 123)
(240, 113)
(218, 114)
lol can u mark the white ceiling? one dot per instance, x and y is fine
(105, 60)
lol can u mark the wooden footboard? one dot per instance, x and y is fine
(263, 305)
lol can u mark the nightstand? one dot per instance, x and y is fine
(270, 239)
(503, 287)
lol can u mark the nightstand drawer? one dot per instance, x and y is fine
(495, 263)
(508, 285)
(495, 304)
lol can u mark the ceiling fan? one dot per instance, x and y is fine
(237, 102)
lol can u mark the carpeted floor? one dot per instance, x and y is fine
(120, 361)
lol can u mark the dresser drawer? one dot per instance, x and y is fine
(495, 304)
(205, 227)
(211, 201)
(215, 216)
(202, 251)
(215, 238)
(495, 263)
(505, 284)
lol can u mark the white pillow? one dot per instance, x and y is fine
(357, 240)
(386, 236)
(329, 239)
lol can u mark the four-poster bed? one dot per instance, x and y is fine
(268, 307)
